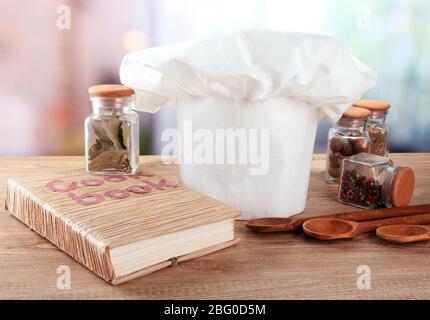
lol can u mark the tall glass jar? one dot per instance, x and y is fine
(347, 138)
(112, 131)
(377, 129)
(370, 181)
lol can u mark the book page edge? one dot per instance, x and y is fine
(162, 265)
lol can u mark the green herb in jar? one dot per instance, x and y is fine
(112, 131)
(110, 150)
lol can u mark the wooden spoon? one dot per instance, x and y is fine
(266, 225)
(331, 229)
(404, 233)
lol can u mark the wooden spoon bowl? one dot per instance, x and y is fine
(267, 225)
(329, 228)
(275, 224)
(404, 233)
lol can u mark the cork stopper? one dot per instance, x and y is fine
(402, 187)
(356, 113)
(373, 105)
(110, 91)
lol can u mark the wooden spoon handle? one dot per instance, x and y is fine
(372, 225)
(364, 215)
(295, 222)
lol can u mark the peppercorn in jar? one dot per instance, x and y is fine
(347, 138)
(370, 181)
(376, 126)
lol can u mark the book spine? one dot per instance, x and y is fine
(72, 239)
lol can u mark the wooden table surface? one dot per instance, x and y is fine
(276, 266)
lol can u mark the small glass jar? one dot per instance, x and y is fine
(370, 181)
(112, 131)
(347, 138)
(376, 126)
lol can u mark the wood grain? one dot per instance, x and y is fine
(269, 266)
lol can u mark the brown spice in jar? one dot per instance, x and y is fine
(361, 146)
(334, 172)
(378, 137)
(347, 149)
(336, 145)
(336, 159)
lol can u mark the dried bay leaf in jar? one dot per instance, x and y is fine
(112, 131)
(376, 127)
(347, 138)
(370, 181)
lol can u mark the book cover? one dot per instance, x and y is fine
(121, 227)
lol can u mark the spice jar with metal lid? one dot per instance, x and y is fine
(377, 129)
(370, 181)
(112, 131)
(347, 138)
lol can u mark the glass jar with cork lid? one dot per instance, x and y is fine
(377, 129)
(370, 181)
(347, 138)
(112, 131)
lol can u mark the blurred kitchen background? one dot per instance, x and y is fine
(45, 70)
